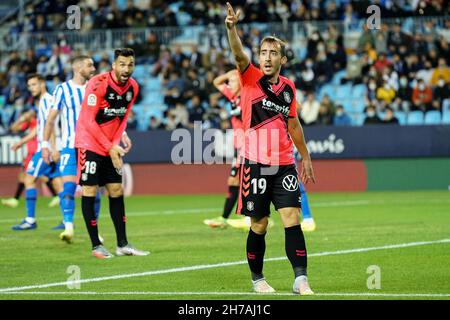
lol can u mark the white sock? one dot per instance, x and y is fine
(30, 220)
(68, 226)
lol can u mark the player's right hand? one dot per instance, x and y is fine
(16, 146)
(116, 153)
(232, 18)
(45, 153)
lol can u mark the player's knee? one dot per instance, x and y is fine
(29, 181)
(259, 226)
(115, 190)
(290, 216)
(89, 191)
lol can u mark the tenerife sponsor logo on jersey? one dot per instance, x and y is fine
(115, 112)
(272, 106)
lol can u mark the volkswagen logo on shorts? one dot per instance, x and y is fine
(250, 205)
(119, 171)
(290, 183)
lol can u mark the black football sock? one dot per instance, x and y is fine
(296, 249)
(50, 187)
(19, 190)
(87, 207)
(233, 192)
(256, 247)
(117, 211)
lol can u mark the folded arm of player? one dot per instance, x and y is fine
(23, 119)
(296, 133)
(242, 60)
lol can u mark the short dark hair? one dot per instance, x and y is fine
(124, 52)
(79, 58)
(273, 39)
(40, 77)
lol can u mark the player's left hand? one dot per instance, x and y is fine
(127, 144)
(307, 172)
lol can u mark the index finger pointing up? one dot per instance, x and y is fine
(230, 9)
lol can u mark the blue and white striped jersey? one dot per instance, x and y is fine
(45, 104)
(68, 97)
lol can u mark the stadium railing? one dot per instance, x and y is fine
(294, 32)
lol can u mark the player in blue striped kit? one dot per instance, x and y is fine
(67, 99)
(37, 167)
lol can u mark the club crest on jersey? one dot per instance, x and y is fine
(111, 96)
(92, 100)
(287, 97)
(129, 96)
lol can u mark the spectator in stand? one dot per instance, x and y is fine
(196, 58)
(389, 117)
(341, 118)
(413, 65)
(307, 75)
(181, 115)
(422, 96)
(309, 110)
(441, 92)
(323, 69)
(353, 69)
(382, 63)
(178, 56)
(196, 111)
(155, 124)
(371, 90)
(371, 115)
(337, 56)
(151, 48)
(397, 38)
(441, 72)
(426, 72)
(366, 37)
(402, 101)
(132, 121)
(325, 117)
(386, 93)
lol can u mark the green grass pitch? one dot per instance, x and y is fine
(189, 260)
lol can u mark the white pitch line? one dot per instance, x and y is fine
(209, 266)
(190, 293)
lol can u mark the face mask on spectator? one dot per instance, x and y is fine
(387, 86)
(309, 64)
(372, 86)
(370, 113)
(403, 82)
(441, 83)
(421, 86)
(339, 113)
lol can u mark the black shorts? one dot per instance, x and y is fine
(96, 170)
(263, 184)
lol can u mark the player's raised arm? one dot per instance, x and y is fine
(296, 133)
(242, 61)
